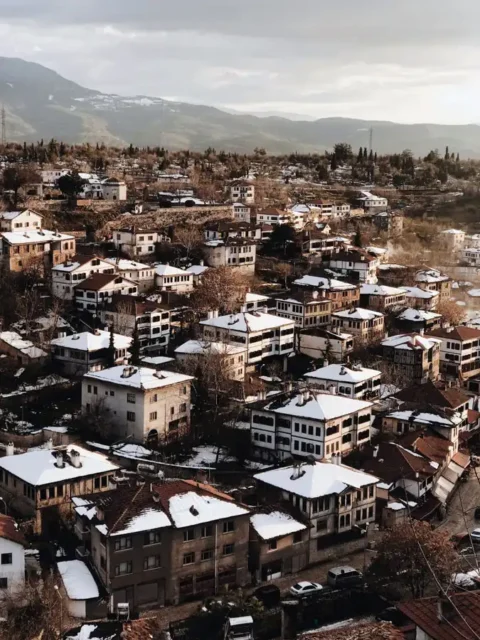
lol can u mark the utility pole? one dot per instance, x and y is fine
(4, 127)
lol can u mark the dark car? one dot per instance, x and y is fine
(268, 595)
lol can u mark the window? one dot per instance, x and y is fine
(183, 407)
(370, 512)
(131, 398)
(89, 388)
(7, 558)
(188, 558)
(322, 525)
(228, 549)
(153, 416)
(96, 483)
(207, 554)
(207, 531)
(189, 534)
(370, 491)
(43, 494)
(153, 398)
(297, 537)
(3, 583)
(60, 490)
(123, 543)
(151, 562)
(228, 526)
(123, 568)
(51, 492)
(130, 416)
(272, 545)
(104, 481)
(152, 537)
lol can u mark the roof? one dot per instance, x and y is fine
(75, 263)
(9, 530)
(248, 322)
(429, 393)
(192, 508)
(357, 313)
(427, 417)
(77, 580)
(323, 283)
(168, 270)
(11, 215)
(197, 269)
(128, 265)
(380, 290)
(424, 613)
(38, 467)
(416, 292)
(315, 406)
(393, 462)
(34, 236)
(418, 315)
(87, 341)
(26, 347)
(275, 524)
(138, 377)
(409, 341)
(456, 333)
(343, 373)
(431, 446)
(256, 297)
(316, 480)
(431, 275)
(97, 281)
(199, 347)
(352, 255)
(357, 631)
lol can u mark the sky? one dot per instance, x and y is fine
(405, 61)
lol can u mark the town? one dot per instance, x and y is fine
(239, 394)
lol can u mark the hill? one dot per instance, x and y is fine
(40, 103)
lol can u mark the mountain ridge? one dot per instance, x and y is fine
(40, 103)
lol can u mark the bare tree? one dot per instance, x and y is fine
(189, 237)
(222, 288)
(452, 312)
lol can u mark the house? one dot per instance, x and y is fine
(318, 242)
(229, 358)
(98, 290)
(227, 229)
(16, 220)
(459, 351)
(241, 212)
(418, 320)
(197, 271)
(75, 270)
(306, 308)
(342, 295)
(12, 557)
(155, 544)
(273, 217)
(242, 192)
(435, 280)
(365, 325)
(50, 176)
(390, 221)
(39, 484)
(233, 252)
(356, 264)
(337, 501)
(22, 351)
(143, 404)
(44, 328)
(168, 278)
(418, 298)
(443, 423)
(303, 423)
(381, 298)
(262, 334)
(142, 274)
(371, 202)
(81, 352)
(355, 381)
(37, 248)
(471, 256)
(413, 356)
(256, 302)
(136, 241)
(79, 590)
(452, 240)
(278, 544)
(332, 345)
(113, 189)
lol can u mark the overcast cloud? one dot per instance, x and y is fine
(407, 61)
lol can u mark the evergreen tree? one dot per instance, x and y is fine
(447, 153)
(360, 155)
(370, 157)
(375, 157)
(135, 347)
(111, 348)
(333, 162)
(357, 241)
(365, 153)
(458, 157)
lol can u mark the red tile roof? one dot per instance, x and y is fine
(429, 393)
(456, 333)
(9, 530)
(364, 631)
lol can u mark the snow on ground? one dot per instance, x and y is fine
(77, 580)
(42, 383)
(85, 633)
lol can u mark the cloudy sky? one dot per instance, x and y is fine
(409, 61)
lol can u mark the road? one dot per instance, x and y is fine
(461, 510)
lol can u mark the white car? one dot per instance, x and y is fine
(305, 588)
(475, 535)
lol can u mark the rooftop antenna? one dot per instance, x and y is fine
(4, 127)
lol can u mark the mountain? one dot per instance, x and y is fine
(39, 103)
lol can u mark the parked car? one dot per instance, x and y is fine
(344, 577)
(475, 535)
(268, 595)
(305, 588)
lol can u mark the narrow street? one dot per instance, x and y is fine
(461, 510)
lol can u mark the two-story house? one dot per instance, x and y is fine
(332, 345)
(418, 298)
(168, 278)
(136, 241)
(35, 248)
(364, 324)
(342, 295)
(98, 290)
(356, 264)
(230, 359)
(459, 351)
(242, 192)
(304, 423)
(381, 298)
(435, 280)
(142, 274)
(241, 212)
(233, 252)
(71, 272)
(415, 357)
(20, 220)
(305, 308)
(354, 381)
(142, 403)
(81, 352)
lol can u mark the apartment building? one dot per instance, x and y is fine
(371, 202)
(232, 252)
(20, 220)
(320, 209)
(382, 298)
(39, 484)
(98, 290)
(273, 217)
(356, 264)
(337, 501)
(354, 381)
(226, 229)
(142, 274)
(332, 345)
(471, 256)
(365, 325)
(343, 295)
(306, 308)
(155, 544)
(242, 192)
(35, 248)
(434, 280)
(81, 352)
(262, 334)
(71, 272)
(135, 241)
(142, 403)
(230, 359)
(241, 212)
(459, 351)
(308, 423)
(168, 278)
(416, 358)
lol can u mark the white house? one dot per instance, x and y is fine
(82, 352)
(12, 557)
(452, 240)
(364, 324)
(421, 299)
(471, 256)
(15, 220)
(50, 176)
(142, 274)
(79, 587)
(113, 189)
(230, 357)
(137, 241)
(242, 192)
(354, 381)
(241, 212)
(262, 334)
(309, 423)
(371, 202)
(357, 264)
(255, 302)
(99, 289)
(71, 272)
(143, 403)
(168, 278)
(274, 217)
(233, 252)
(322, 343)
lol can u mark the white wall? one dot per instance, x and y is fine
(15, 572)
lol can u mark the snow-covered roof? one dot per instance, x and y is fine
(168, 270)
(426, 418)
(77, 580)
(34, 236)
(127, 265)
(431, 275)
(87, 341)
(390, 265)
(358, 314)
(454, 231)
(255, 297)
(11, 215)
(39, 468)
(474, 293)
(410, 342)
(197, 347)
(26, 347)
(318, 406)
(157, 360)
(380, 290)
(343, 373)
(316, 480)
(191, 508)
(416, 292)
(248, 322)
(379, 251)
(148, 520)
(275, 524)
(323, 283)
(138, 377)
(197, 269)
(418, 315)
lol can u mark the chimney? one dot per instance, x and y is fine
(75, 459)
(10, 449)
(202, 263)
(49, 444)
(60, 462)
